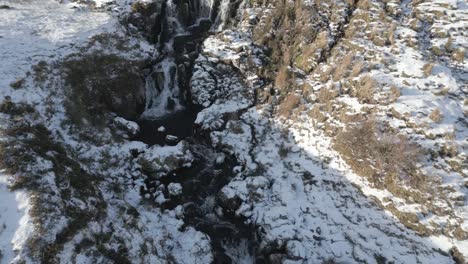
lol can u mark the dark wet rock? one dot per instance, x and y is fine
(158, 77)
(100, 83)
(253, 20)
(179, 124)
(146, 19)
(5, 7)
(229, 200)
(276, 258)
(457, 256)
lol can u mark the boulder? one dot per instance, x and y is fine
(129, 129)
(174, 189)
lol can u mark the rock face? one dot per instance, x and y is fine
(99, 83)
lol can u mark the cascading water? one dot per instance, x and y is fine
(184, 22)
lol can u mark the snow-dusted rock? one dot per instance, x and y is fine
(295, 250)
(159, 160)
(174, 189)
(130, 128)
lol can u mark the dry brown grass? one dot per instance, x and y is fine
(391, 34)
(288, 105)
(327, 94)
(395, 93)
(317, 114)
(382, 157)
(364, 4)
(436, 115)
(427, 69)
(321, 41)
(303, 61)
(343, 65)
(41, 71)
(449, 45)
(443, 92)
(459, 55)
(365, 89)
(357, 68)
(325, 74)
(18, 84)
(282, 78)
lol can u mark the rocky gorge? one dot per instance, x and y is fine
(219, 131)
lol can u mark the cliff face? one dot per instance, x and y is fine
(217, 131)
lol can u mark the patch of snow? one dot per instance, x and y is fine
(15, 226)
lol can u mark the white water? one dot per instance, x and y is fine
(222, 17)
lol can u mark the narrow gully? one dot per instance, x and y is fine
(185, 24)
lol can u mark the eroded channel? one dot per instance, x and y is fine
(169, 117)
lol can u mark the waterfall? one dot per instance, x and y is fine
(183, 24)
(162, 90)
(222, 17)
(205, 9)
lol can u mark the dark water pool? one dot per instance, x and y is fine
(179, 124)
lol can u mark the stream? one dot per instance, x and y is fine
(169, 117)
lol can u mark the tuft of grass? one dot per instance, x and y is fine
(442, 92)
(395, 93)
(459, 55)
(41, 71)
(436, 115)
(382, 157)
(282, 78)
(357, 69)
(365, 89)
(18, 84)
(288, 105)
(325, 95)
(342, 68)
(317, 114)
(427, 69)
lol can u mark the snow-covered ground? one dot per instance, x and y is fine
(13, 220)
(35, 30)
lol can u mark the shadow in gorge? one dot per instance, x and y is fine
(322, 209)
